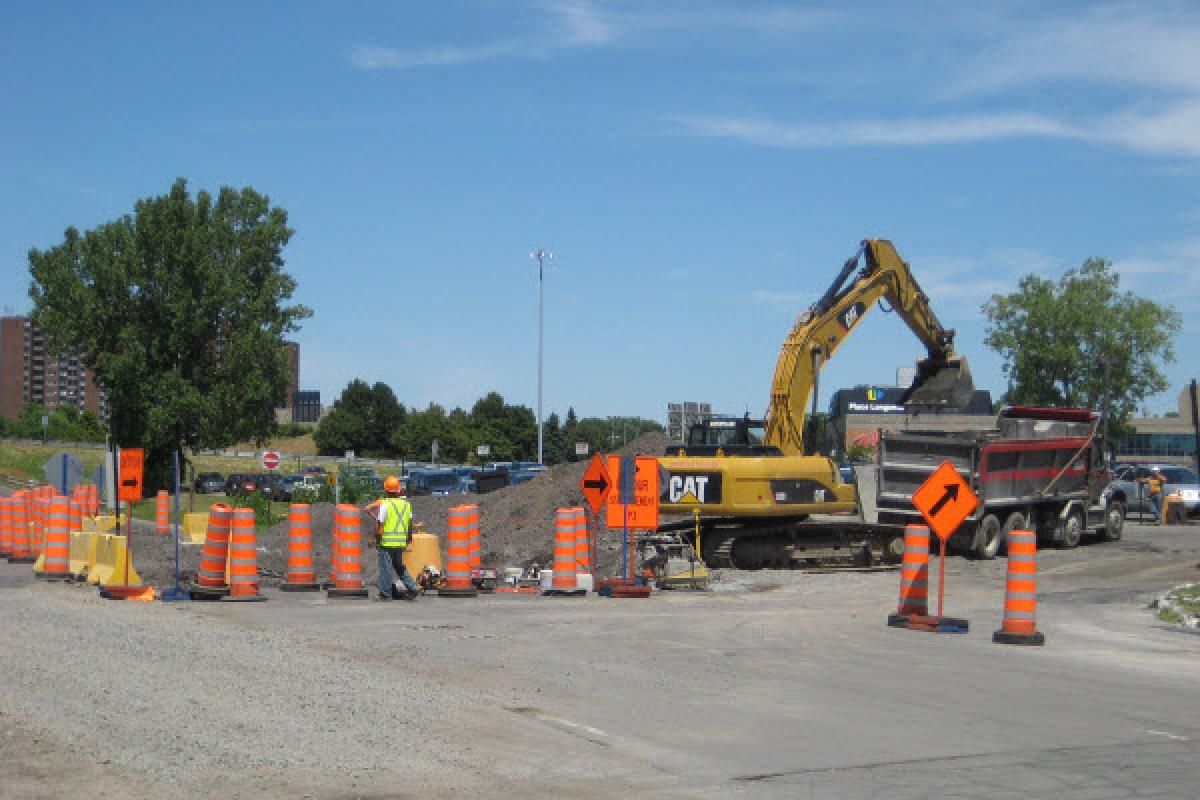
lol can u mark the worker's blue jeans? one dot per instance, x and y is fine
(391, 566)
(1156, 504)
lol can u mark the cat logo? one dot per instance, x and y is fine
(694, 489)
(850, 317)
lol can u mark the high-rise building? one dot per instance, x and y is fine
(34, 372)
(291, 351)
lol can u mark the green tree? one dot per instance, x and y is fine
(180, 309)
(363, 419)
(1056, 338)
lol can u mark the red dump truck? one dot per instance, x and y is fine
(1041, 469)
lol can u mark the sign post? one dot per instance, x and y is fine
(945, 500)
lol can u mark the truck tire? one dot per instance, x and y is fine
(1015, 522)
(1114, 522)
(1072, 530)
(988, 538)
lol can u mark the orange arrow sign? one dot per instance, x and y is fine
(945, 500)
(596, 484)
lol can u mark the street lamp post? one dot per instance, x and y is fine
(542, 255)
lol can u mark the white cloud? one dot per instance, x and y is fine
(1127, 44)
(370, 57)
(941, 130)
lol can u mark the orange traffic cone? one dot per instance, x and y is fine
(458, 555)
(1020, 592)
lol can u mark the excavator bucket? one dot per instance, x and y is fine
(942, 384)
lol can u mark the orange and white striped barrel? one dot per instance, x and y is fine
(22, 552)
(76, 516)
(347, 553)
(211, 575)
(458, 555)
(5, 527)
(162, 512)
(38, 537)
(56, 522)
(564, 551)
(914, 575)
(1020, 592)
(474, 545)
(583, 558)
(243, 558)
(93, 499)
(301, 572)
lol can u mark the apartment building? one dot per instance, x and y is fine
(34, 372)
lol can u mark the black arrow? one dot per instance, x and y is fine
(951, 494)
(596, 483)
(129, 482)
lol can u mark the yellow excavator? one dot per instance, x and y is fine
(755, 483)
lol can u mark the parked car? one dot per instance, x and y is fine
(1180, 480)
(233, 483)
(209, 483)
(279, 488)
(433, 481)
(466, 479)
(314, 469)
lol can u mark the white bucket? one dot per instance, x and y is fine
(585, 581)
(546, 579)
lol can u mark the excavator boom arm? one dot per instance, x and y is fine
(942, 378)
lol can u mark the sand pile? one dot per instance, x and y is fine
(516, 527)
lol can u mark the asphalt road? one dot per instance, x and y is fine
(774, 685)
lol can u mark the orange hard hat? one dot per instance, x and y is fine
(392, 484)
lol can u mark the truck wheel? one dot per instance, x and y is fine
(987, 538)
(1072, 530)
(1015, 522)
(1114, 522)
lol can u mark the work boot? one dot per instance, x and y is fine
(411, 594)
(382, 598)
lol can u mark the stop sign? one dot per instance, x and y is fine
(270, 460)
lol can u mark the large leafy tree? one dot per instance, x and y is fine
(181, 309)
(364, 419)
(1058, 338)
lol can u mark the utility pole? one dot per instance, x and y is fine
(542, 256)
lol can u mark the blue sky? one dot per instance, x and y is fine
(700, 170)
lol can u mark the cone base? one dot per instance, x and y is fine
(122, 592)
(625, 591)
(914, 622)
(335, 592)
(243, 598)
(51, 576)
(299, 587)
(1035, 639)
(199, 592)
(22, 559)
(472, 592)
(564, 592)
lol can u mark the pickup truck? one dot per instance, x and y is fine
(1042, 469)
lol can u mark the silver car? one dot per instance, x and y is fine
(1180, 480)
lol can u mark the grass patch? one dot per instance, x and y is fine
(1167, 615)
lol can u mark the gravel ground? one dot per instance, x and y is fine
(516, 528)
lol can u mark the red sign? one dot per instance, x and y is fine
(641, 512)
(270, 460)
(129, 470)
(596, 483)
(945, 500)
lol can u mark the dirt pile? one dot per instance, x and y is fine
(516, 527)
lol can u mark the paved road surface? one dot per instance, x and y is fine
(776, 685)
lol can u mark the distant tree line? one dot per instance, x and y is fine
(64, 424)
(370, 421)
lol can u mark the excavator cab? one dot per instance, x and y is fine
(731, 436)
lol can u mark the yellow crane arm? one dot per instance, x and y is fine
(820, 330)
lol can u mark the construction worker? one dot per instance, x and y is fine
(394, 514)
(1156, 484)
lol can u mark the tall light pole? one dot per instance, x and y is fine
(542, 256)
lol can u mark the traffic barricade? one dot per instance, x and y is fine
(1020, 592)
(162, 512)
(347, 556)
(22, 548)
(243, 558)
(914, 577)
(565, 583)
(5, 527)
(301, 573)
(56, 553)
(210, 581)
(458, 555)
(195, 527)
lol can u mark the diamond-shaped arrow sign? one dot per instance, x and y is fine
(596, 484)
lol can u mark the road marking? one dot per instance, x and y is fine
(1168, 735)
(577, 728)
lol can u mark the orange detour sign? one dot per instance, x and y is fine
(130, 472)
(945, 500)
(596, 484)
(634, 507)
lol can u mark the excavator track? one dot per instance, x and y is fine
(804, 545)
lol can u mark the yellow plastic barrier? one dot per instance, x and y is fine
(81, 549)
(100, 560)
(110, 563)
(95, 553)
(39, 566)
(104, 523)
(194, 527)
